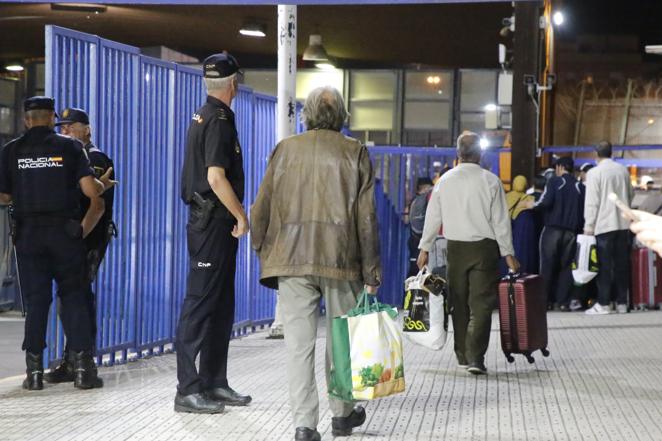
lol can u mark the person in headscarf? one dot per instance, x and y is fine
(525, 240)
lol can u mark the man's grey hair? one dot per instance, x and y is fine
(324, 109)
(219, 84)
(468, 147)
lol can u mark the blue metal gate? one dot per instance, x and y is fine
(140, 108)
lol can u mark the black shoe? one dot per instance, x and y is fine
(306, 434)
(477, 368)
(64, 373)
(197, 403)
(35, 371)
(342, 426)
(85, 371)
(228, 396)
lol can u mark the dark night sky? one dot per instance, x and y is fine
(640, 17)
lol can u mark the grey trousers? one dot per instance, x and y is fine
(299, 299)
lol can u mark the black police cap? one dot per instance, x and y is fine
(39, 103)
(220, 66)
(72, 115)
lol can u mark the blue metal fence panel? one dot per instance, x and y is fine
(264, 141)
(115, 289)
(140, 109)
(243, 106)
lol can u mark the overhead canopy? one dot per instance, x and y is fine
(286, 2)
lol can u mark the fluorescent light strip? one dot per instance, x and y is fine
(252, 33)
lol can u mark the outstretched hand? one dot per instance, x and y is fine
(648, 230)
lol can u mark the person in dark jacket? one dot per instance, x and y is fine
(562, 203)
(417, 210)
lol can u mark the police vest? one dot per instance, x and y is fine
(45, 172)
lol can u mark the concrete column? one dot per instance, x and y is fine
(287, 71)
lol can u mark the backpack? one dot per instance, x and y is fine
(417, 212)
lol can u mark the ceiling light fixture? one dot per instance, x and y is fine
(315, 51)
(325, 65)
(490, 107)
(433, 79)
(484, 143)
(79, 7)
(14, 67)
(558, 18)
(253, 30)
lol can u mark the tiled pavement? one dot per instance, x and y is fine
(603, 381)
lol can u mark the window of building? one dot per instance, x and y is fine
(373, 96)
(310, 79)
(428, 108)
(478, 90)
(263, 81)
(8, 107)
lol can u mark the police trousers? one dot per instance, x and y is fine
(46, 253)
(473, 276)
(205, 323)
(94, 254)
(557, 251)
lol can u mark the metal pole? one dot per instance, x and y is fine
(580, 112)
(287, 71)
(626, 113)
(286, 111)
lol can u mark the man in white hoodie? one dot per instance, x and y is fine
(604, 220)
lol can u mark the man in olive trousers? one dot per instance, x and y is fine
(470, 203)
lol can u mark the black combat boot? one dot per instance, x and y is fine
(35, 371)
(64, 372)
(85, 371)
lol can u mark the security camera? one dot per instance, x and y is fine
(529, 80)
(551, 79)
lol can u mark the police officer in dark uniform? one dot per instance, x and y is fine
(96, 219)
(213, 188)
(40, 174)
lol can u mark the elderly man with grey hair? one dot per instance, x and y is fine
(471, 205)
(314, 226)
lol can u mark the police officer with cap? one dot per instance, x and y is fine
(41, 174)
(213, 188)
(96, 220)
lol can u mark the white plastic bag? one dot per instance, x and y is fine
(585, 265)
(425, 321)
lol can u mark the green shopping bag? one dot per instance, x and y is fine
(367, 352)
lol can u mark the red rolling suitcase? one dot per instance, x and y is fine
(646, 279)
(523, 316)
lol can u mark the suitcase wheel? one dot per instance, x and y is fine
(510, 358)
(529, 358)
(545, 352)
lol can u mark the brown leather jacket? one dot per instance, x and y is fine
(315, 211)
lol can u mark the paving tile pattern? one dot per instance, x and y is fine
(603, 381)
